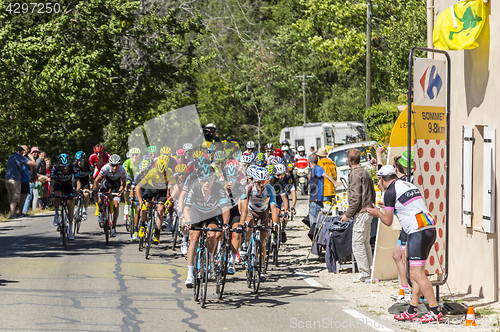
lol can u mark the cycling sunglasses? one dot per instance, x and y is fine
(211, 178)
(259, 182)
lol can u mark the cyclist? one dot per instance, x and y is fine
(168, 152)
(188, 151)
(205, 202)
(251, 149)
(158, 180)
(237, 198)
(144, 168)
(181, 158)
(84, 173)
(98, 159)
(283, 184)
(152, 154)
(269, 151)
(61, 184)
(113, 177)
(218, 164)
(131, 166)
(180, 178)
(261, 196)
(245, 162)
(204, 146)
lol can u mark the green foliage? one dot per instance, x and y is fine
(380, 114)
(382, 133)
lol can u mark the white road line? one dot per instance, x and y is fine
(368, 321)
(307, 278)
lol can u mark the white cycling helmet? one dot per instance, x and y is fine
(251, 171)
(219, 156)
(260, 174)
(187, 146)
(250, 145)
(279, 169)
(246, 159)
(301, 148)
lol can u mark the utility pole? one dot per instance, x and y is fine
(304, 85)
(368, 53)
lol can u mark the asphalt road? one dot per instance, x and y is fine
(94, 287)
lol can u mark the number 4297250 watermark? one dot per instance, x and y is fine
(33, 8)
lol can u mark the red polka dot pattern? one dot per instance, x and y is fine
(430, 175)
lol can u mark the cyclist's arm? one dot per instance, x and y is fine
(186, 215)
(138, 192)
(225, 215)
(123, 184)
(274, 213)
(284, 198)
(78, 184)
(243, 205)
(174, 192)
(294, 198)
(96, 181)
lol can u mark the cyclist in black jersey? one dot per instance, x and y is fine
(205, 203)
(61, 184)
(84, 172)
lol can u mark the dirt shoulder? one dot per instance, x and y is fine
(376, 298)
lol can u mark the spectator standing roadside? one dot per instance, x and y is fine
(316, 182)
(25, 180)
(31, 198)
(41, 165)
(48, 166)
(330, 168)
(313, 150)
(13, 175)
(361, 196)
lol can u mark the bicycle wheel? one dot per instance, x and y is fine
(77, 215)
(197, 273)
(131, 218)
(257, 267)
(141, 239)
(175, 231)
(64, 232)
(276, 248)
(105, 224)
(249, 265)
(269, 250)
(223, 267)
(204, 278)
(151, 227)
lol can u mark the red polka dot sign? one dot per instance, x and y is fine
(430, 178)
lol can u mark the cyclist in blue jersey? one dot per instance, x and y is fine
(261, 196)
(84, 172)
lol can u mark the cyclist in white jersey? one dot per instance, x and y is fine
(405, 200)
(113, 177)
(261, 195)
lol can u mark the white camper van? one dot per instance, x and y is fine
(324, 133)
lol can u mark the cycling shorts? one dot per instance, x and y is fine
(107, 185)
(130, 180)
(419, 245)
(65, 187)
(159, 195)
(198, 220)
(234, 216)
(403, 239)
(263, 216)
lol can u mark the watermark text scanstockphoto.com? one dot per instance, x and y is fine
(484, 324)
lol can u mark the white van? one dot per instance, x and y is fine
(324, 133)
(339, 156)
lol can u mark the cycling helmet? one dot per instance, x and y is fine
(270, 169)
(279, 169)
(230, 172)
(115, 159)
(219, 156)
(301, 149)
(80, 155)
(98, 148)
(205, 171)
(187, 147)
(246, 159)
(198, 154)
(180, 152)
(250, 145)
(135, 151)
(205, 145)
(162, 163)
(63, 159)
(233, 162)
(260, 174)
(210, 126)
(152, 149)
(251, 171)
(144, 165)
(269, 146)
(201, 161)
(284, 148)
(165, 150)
(279, 160)
(260, 160)
(229, 153)
(181, 169)
(278, 153)
(127, 154)
(285, 142)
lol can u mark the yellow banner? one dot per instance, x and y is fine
(430, 122)
(399, 135)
